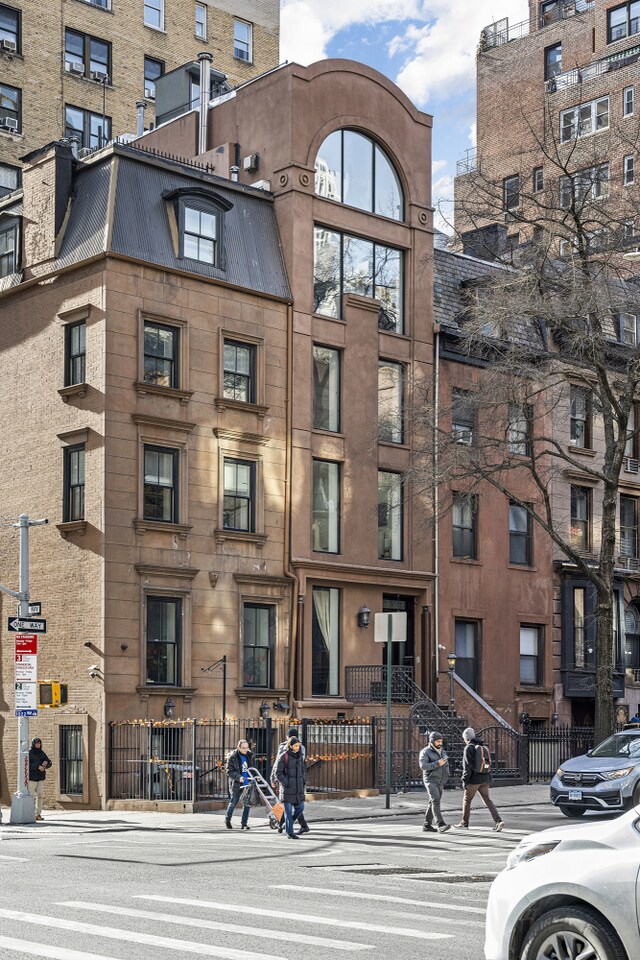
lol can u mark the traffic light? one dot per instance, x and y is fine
(52, 694)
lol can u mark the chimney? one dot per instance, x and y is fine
(140, 107)
(205, 60)
(47, 177)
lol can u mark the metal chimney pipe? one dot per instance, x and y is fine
(74, 141)
(140, 107)
(205, 60)
(234, 173)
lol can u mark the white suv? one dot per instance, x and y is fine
(569, 893)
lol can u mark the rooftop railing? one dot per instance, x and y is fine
(467, 163)
(592, 70)
(501, 31)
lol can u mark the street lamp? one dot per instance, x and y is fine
(264, 710)
(451, 661)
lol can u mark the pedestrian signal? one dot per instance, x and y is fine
(52, 694)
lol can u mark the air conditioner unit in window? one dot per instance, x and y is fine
(149, 93)
(240, 54)
(10, 45)
(9, 123)
(84, 152)
(100, 75)
(460, 435)
(74, 66)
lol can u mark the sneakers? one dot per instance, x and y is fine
(462, 826)
(498, 827)
(245, 826)
(304, 829)
(227, 824)
(443, 827)
(39, 817)
(428, 828)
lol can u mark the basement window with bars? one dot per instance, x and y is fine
(70, 760)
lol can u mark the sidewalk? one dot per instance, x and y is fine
(320, 811)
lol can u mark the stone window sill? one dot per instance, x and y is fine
(220, 535)
(225, 403)
(72, 526)
(180, 529)
(142, 389)
(164, 690)
(75, 390)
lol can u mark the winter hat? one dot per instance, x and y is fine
(435, 735)
(469, 734)
(36, 740)
(292, 732)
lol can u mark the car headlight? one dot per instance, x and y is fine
(523, 854)
(559, 772)
(616, 774)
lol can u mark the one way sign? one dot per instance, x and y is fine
(27, 626)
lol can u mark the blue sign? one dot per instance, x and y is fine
(26, 713)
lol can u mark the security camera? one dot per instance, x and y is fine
(93, 667)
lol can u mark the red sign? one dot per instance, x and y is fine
(27, 643)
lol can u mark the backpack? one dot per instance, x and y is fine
(482, 762)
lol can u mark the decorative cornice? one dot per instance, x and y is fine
(143, 420)
(165, 570)
(240, 436)
(384, 575)
(71, 527)
(71, 437)
(154, 389)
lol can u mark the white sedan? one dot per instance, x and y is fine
(569, 893)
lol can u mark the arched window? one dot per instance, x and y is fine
(351, 168)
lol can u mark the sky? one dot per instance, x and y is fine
(427, 47)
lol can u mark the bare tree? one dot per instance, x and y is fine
(555, 325)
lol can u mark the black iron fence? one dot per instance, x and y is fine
(184, 760)
(550, 747)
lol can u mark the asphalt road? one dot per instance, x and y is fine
(94, 889)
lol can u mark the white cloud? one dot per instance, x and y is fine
(439, 56)
(442, 191)
(438, 165)
(473, 134)
(307, 26)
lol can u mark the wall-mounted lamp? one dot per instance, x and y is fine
(451, 661)
(281, 705)
(169, 707)
(524, 718)
(364, 616)
(554, 718)
(264, 709)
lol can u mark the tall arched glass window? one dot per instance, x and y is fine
(351, 168)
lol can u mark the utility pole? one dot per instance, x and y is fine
(22, 806)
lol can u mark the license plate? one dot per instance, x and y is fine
(575, 794)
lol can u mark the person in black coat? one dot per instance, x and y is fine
(39, 763)
(292, 777)
(474, 782)
(238, 762)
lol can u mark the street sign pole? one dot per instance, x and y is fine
(389, 731)
(22, 805)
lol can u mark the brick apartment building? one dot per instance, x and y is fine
(557, 105)
(79, 67)
(215, 409)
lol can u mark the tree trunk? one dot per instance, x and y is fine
(605, 662)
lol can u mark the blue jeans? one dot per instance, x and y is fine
(235, 793)
(291, 813)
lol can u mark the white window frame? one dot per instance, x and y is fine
(538, 180)
(201, 7)
(585, 186)
(628, 101)
(245, 23)
(575, 120)
(628, 329)
(628, 171)
(158, 7)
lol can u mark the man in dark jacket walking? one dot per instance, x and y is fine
(238, 762)
(39, 763)
(475, 781)
(292, 777)
(434, 764)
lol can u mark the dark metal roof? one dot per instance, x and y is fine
(141, 230)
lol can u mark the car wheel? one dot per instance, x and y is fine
(572, 933)
(573, 812)
(635, 800)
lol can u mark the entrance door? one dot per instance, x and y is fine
(402, 653)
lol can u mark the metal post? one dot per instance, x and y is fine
(389, 732)
(224, 687)
(452, 698)
(22, 804)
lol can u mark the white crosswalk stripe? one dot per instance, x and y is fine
(252, 931)
(327, 891)
(300, 917)
(131, 936)
(47, 950)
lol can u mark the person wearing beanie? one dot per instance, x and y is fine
(434, 764)
(292, 778)
(475, 779)
(291, 732)
(39, 763)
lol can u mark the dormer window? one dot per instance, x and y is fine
(199, 217)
